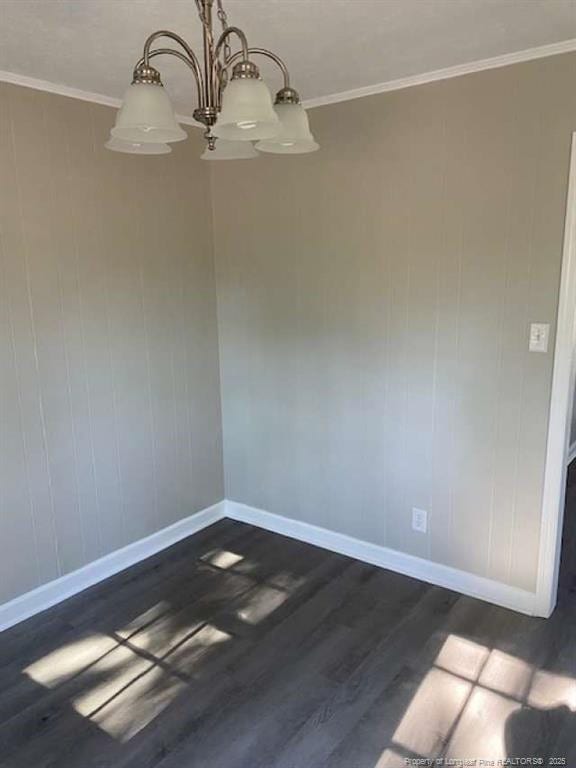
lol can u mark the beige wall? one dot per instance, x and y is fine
(109, 387)
(374, 303)
(374, 306)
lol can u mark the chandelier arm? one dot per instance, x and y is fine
(270, 55)
(190, 58)
(224, 37)
(182, 57)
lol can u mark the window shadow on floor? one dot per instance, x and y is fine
(243, 648)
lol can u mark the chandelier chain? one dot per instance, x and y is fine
(223, 18)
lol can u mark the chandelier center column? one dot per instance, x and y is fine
(208, 53)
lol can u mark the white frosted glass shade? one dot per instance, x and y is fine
(147, 116)
(133, 148)
(294, 137)
(247, 113)
(230, 150)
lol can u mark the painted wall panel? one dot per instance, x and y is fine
(374, 305)
(110, 425)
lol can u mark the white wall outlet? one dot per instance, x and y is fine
(419, 520)
(539, 334)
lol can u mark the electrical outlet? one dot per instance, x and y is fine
(419, 520)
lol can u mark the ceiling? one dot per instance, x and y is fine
(330, 46)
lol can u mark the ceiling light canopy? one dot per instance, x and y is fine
(233, 102)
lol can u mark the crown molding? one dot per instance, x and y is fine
(541, 52)
(528, 54)
(75, 93)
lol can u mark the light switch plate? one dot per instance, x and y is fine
(539, 334)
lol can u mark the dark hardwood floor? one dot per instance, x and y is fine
(239, 648)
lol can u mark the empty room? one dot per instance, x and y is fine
(287, 383)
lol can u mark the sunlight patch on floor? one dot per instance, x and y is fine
(462, 657)
(222, 558)
(189, 657)
(506, 674)
(468, 702)
(287, 581)
(131, 690)
(159, 609)
(164, 635)
(137, 705)
(122, 669)
(69, 660)
(465, 703)
(549, 690)
(481, 730)
(432, 712)
(260, 604)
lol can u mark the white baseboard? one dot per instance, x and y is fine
(425, 570)
(571, 454)
(53, 592)
(56, 591)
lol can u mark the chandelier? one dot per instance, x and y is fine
(233, 102)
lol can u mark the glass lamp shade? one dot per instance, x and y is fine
(230, 150)
(147, 116)
(247, 112)
(294, 137)
(131, 148)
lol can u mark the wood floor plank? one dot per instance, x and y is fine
(295, 634)
(340, 712)
(159, 591)
(238, 648)
(95, 603)
(450, 646)
(275, 698)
